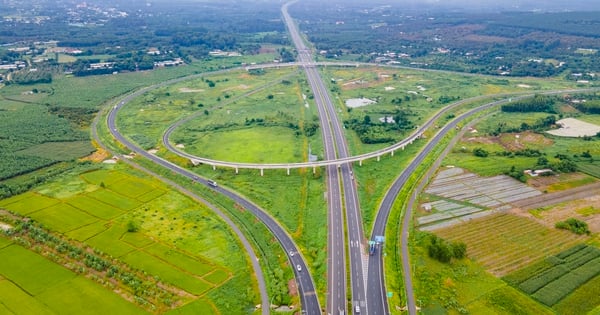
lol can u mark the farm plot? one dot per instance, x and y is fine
(36, 285)
(472, 194)
(555, 277)
(446, 210)
(94, 207)
(114, 199)
(171, 274)
(27, 203)
(131, 188)
(63, 217)
(504, 242)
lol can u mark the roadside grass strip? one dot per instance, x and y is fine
(114, 199)
(29, 202)
(16, 301)
(582, 300)
(504, 243)
(199, 306)
(94, 207)
(167, 272)
(85, 232)
(63, 217)
(131, 188)
(107, 177)
(31, 272)
(82, 296)
(194, 265)
(108, 241)
(555, 277)
(151, 195)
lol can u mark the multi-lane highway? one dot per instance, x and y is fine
(336, 262)
(335, 146)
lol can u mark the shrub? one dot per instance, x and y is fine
(573, 225)
(480, 152)
(444, 251)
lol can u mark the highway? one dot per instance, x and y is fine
(306, 287)
(336, 254)
(335, 146)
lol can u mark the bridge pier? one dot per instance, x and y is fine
(359, 162)
(378, 158)
(392, 152)
(288, 171)
(236, 170)
(214, 167)
(262, 172)
(314, 169)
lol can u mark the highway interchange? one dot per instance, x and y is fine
(342, 198)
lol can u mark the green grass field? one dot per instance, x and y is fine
(168, 224)
(253, 145)
(555, 277)
(28, 203)
(108, 241)
(85, 232)
(106, 176)
(80, 295)
(31, 272)
(199, 306)
(63, 217)
(59, 151)
(94, 207)
(193, 265)
(464, 287)
(114, 199)
(131, 188)
(167, 272)
(36, 285)
(515, 243)
(583, 300)
(16, 301)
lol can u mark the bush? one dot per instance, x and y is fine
(573, 225)
(480, 152)
(444, 251)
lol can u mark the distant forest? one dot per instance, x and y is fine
(508, 43)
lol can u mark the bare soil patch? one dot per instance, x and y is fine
(571, 127)
(514, 141)
(520, 141)
(188, 90)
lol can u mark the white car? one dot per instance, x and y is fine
(298, 267)
(291, 253)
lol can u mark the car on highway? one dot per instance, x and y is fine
(212, 183)
(357, 309)
(291, 253)
(298, 267)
